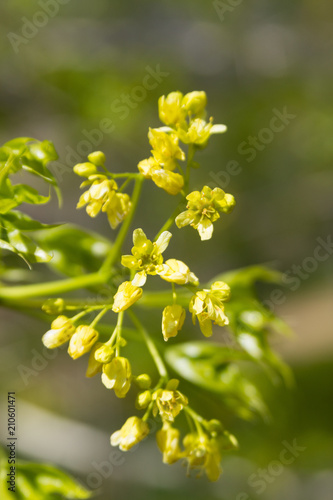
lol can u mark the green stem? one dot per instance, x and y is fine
(118, 330)
(150, 345)
(16, 293)
(105, 270)
(99, 316)
(171, 219)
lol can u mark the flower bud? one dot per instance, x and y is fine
(54, 306)
(126, 295)
(143, 381)
(85, 169)
(172, 320)
(104, 353)
(195, 102)
(214, 426)
(132, 432)
(97, 158)
(117, 375)
(168, 442)
(61, 331)
(143, 399)
(82, 341)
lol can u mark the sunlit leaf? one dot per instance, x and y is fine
(75, 251)
(220, 370)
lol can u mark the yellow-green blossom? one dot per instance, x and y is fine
(169, 402)
(117, 207)
(126, 295)
(132, 432)
(166, 150)
(170, 109)
(117, 375)
(207, 305)
(85, 169)
(61, 331)
(172, 320)
(168, 442)
(158, 167)
(203, 453)
(82, 341)
(98, 193)
(203, 209)
(175, 271)
(146, 256)
(195, 103)
(143, 399)
(102, 196)
(198, 131)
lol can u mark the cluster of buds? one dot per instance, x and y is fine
(81, 338)
(184, 117)
(102, 194)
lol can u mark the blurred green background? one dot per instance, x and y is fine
(69, 81)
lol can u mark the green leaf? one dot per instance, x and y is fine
(41, 482)
(31, 155)
(252, 323)
(23, 222)
(220, 370)
(75, 251)
(27, 248)
(27, 194)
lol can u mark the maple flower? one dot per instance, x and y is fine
(207, 305)
(172, 320)
(117, 375)
(61, 331)
(132, 432)
(82, 341)
(203, 209)
(146, 256)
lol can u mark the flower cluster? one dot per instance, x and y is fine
(81, 339)
(103, 194)
(185, 120)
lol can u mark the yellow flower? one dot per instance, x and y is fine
(165, 148)
(104, 353)
(82, 341)
(168, 442)
(195, 103)
(94, 366)
(61, 331)
(171, 182)
(207, 305)
(203, 453)
(126, 295)
(172, 320)
(117, 207)
(198, 131)
(175, 271)
(169, 402)
(146, 256)
(143, 399)
(97, 195)
(117, 375)
(170, 109)
(132, 432)
(85, 169)
(203, 209)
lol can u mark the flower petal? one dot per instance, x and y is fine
(163, 241)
